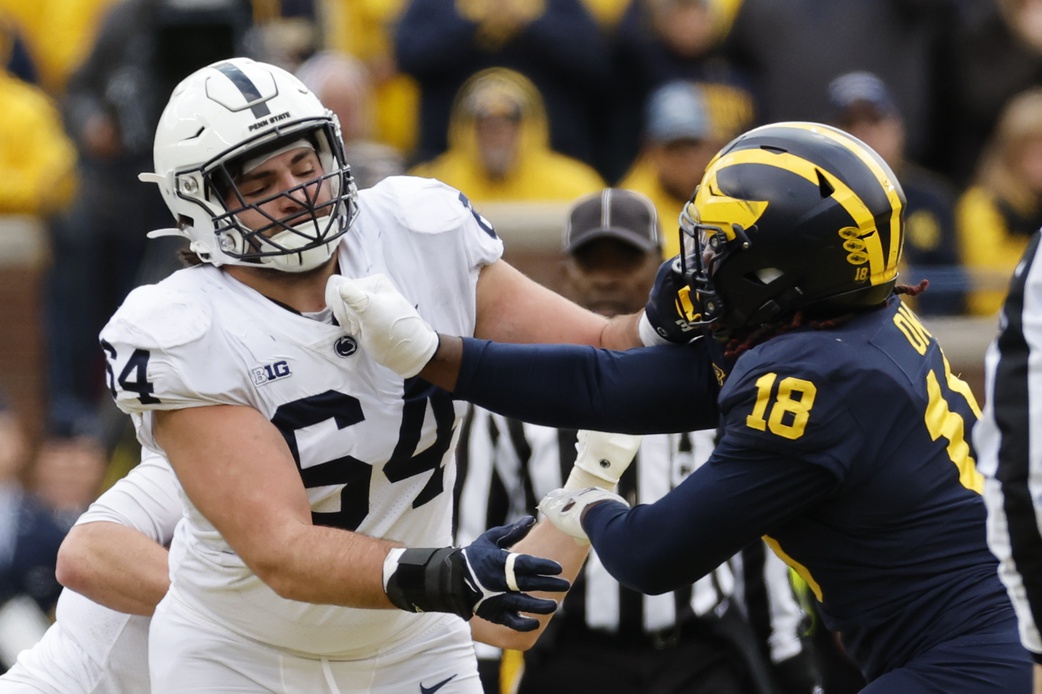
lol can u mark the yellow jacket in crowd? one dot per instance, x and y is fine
(363, 28)
(992, 238)
(37, 158)
(535, 172)
(59, 33)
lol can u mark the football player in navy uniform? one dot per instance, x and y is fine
(845, 436)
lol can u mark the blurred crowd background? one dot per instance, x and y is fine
(525, 105)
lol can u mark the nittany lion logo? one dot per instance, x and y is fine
(345, 346)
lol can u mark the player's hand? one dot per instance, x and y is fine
(601, 459)
(564, 508)
(500, 579)
(664, 318)
(483, 578)
(385, 323)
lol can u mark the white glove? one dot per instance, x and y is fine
(564, 508)
(601, 459)
(386, 324)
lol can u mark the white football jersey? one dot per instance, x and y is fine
(91, 649)
(375, 453)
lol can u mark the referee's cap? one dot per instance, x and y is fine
(613, 213)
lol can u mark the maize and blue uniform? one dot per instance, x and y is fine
(847, 448)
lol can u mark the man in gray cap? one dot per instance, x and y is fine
(612, 251)
(607, 637)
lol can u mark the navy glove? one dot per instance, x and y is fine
(664, 320)
(482, 578)
(501, 579)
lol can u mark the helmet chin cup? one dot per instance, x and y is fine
(302, 261)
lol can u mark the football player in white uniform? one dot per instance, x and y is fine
(318, 482)
(120, 546)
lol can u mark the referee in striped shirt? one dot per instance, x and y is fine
(735, 631)
(1007, 439)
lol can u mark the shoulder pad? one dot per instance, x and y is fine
(424, 205)
(160, 317)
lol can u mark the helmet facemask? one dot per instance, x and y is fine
(703, 247)
(304, 238)
(708, 248)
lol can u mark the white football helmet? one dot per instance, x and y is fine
(223, 115)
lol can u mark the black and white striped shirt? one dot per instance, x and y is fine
(506, 467)
(1008, 439)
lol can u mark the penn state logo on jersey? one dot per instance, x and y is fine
(345, 346)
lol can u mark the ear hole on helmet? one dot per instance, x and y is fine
(768, 274)
(824, 187)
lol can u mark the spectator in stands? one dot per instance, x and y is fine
(499, 147)
(997, 214)
(112, 107)
(59, 34)
(365, 30)
(29, 540)
(37, 159)
(661, 41)
(342, 83)
(699, 639)
(16, 54)
(555, 43)
(678, 144)
(861, 104)
(794, 48)
(68, 469)
(996, 54)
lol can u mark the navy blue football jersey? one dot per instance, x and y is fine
(847, 448)
(896, 549)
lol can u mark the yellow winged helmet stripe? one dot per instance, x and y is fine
(889, 187)
(712, 207)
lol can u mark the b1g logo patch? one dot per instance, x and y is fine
(270, 372)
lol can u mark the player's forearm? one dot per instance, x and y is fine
(323, 565)
(443, 368)
(621, 332)
(114, 566)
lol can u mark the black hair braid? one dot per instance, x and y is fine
(915, 290)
